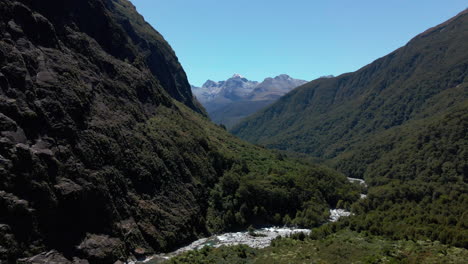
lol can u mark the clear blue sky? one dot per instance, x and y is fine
(303, 38)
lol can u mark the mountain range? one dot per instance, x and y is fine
(227, 102)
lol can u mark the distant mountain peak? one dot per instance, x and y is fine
(283, 77)
(230, 100)
(240, 88)
(236, 75)
(210, 83)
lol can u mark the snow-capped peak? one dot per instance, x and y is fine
(237, 76)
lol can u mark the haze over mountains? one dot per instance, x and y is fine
(227, 102)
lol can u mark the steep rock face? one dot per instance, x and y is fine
(81, 171)
(329, 115)
(118, 29)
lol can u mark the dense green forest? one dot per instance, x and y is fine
(256, 186)
(407, 217)
(419, 186)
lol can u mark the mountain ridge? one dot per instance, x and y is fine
(332, 95)
(218, 88)
(227, 102)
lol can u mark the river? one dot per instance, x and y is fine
(262, 239)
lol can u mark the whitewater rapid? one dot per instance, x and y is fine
(336, 214)
(261, 239)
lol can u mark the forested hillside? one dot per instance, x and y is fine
(400, 123)
(329, 115)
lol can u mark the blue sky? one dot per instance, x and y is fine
(306, 39)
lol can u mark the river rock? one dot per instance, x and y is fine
(101, 249)
(51, 257)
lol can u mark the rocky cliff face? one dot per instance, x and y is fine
(84, 167)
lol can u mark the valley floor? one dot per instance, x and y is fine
(259, 238)
(343, 247)
(255, 238)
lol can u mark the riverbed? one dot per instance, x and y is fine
(360, 181)
(262, 239)
(336, 214)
